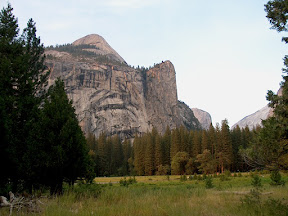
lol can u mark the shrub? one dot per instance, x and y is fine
(227, 173)
(276, 207)
(209, 182)
(199, 177)
(125, 182)
(256, 181)
(204, 176)
(276, 178)
(224, 177)
(183, 178)
(87, 190)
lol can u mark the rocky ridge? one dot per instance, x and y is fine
(255, 119)
(203, 117)
(108, 95)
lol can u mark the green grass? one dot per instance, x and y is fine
(155, 195)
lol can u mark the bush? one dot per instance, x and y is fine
(199, 178)
(256, 206)
(227, 173)
(87, 190)
(209, 182)
(126, 183)
(183, 178)
(276, 178)
(256, 181)
(276, 207)
(204, 176)
(224, 177)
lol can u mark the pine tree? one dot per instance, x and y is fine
(237, 142)
(139, 155)
(65, 146)
(196, 148)
(117, 156)
(128, 158)
(150, 155)
(166, 146)
(158, 151)
(175, 142)
(212, 140)
(22, 82)
(102, 154)
(225, 154)
(205, 144)
(184, 139)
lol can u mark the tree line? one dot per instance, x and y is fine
(177, 151)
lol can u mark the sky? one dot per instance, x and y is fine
(225, 55)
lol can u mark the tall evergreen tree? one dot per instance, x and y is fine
(150, 155)
(65, 145)
(117, 156)
(127, 165)
(212, 140)
(196, 148)
(225, 154)
(166, 146)
(236, 136)
(102, 154)
(175, 142)
(158, 151)
(139, 155)
(22, 79)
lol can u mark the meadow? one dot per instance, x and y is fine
(163, 195)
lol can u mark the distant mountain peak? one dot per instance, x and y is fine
(102, 47)
(255, 119)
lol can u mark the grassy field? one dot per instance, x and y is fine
(158, 195)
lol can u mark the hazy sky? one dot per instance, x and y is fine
(225, 54)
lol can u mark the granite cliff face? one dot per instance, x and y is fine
(189, 118)
(110, 96)
(255, 119)
(203, 117)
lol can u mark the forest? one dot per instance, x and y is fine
(178, 151)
